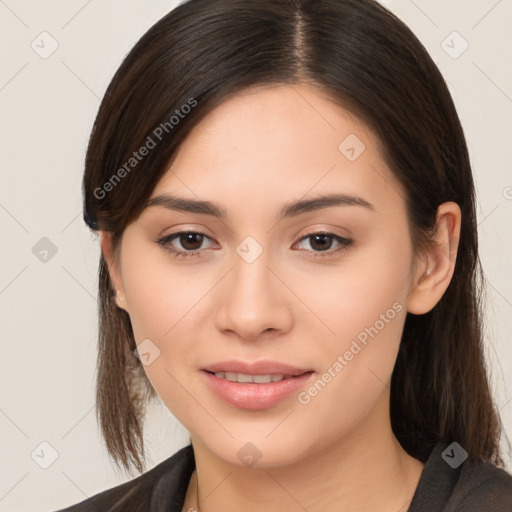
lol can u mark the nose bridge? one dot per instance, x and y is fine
(251, 274)
(253, 301)
(251, 277)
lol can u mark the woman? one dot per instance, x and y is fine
(290, 264)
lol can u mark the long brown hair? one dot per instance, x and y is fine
(368, 62)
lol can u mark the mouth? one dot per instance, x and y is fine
(246, 378)
(254, 369)
(255, 386)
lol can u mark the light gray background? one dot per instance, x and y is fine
(48, 308)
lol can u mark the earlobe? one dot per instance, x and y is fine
(120, 301)
(113, 269)
(435, 272)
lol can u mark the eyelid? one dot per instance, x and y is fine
(330, 229)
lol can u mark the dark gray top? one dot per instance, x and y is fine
(469, 487)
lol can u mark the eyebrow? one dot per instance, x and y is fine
(289, 210)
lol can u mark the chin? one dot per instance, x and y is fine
(256, 451)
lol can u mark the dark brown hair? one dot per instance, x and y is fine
(368, 62)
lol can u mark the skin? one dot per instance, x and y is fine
(261, 149)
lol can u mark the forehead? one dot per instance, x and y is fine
(278, 142)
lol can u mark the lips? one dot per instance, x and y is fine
(254, 386)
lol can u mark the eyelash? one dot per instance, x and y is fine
(166, 240)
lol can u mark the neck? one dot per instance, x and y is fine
(363, 471)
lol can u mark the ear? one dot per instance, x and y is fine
(435, 271)
(114, 270)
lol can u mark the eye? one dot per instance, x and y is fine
(190, 241)
(321, 243)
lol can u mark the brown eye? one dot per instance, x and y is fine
(322, 242)
(184, 244)
(190, 241)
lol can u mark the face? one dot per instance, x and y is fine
(270, 283)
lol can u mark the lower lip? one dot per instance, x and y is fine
(255, 396)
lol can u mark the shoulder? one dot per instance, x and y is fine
(140, 494)
(452, 484)
(482, 487)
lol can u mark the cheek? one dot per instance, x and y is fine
(357, 362)
(364, 304)
(164, 302)
(160, 295)
(161, 301)
(352, 296)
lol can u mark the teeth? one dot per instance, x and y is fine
(262, 379)
(246, 378)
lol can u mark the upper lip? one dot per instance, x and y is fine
(255, 368)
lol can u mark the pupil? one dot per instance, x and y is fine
(188, 239)
(322, 246)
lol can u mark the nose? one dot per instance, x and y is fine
(253, 301)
